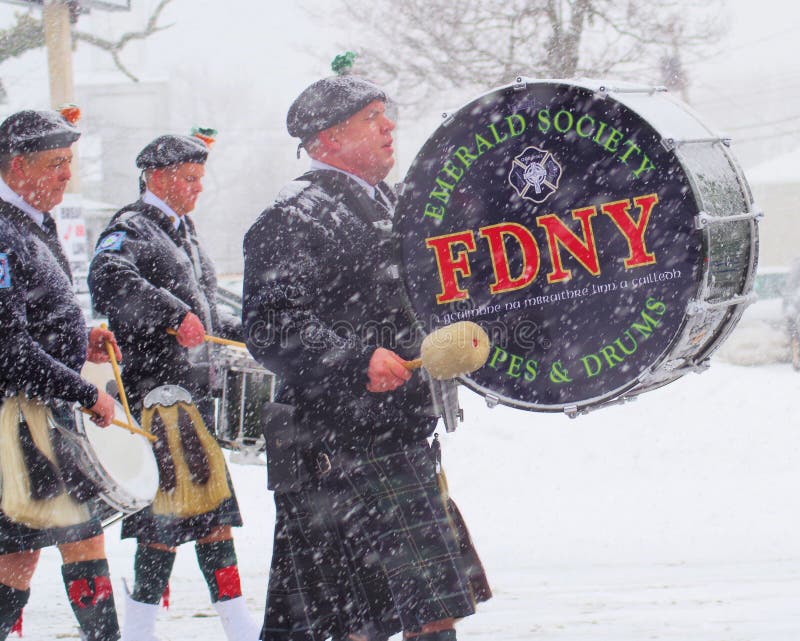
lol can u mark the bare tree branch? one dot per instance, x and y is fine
(115, 47)
(28, 33)
(420, 48)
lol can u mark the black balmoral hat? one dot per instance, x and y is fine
(30, 131)
(328, 102)
(172, 150)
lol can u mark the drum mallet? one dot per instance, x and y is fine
(120, 388)
(453, 350)
(213, 339)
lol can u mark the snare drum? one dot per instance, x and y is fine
(245, 385)
(603, 235)
(122, 464)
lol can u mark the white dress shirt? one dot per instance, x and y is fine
(13, 198)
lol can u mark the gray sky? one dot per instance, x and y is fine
(249, 59)
(751, 90)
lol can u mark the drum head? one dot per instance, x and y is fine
(129, 468)
(554, 217)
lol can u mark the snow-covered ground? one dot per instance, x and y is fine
(675, 517)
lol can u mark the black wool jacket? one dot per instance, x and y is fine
(145, 276)
(321, 292)
(43, 334)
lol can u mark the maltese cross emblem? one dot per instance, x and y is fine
(534, 174)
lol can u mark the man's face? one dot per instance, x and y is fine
(41, 178)
(365, 142)
(178, 185)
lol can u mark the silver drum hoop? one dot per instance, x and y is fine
(120, 463)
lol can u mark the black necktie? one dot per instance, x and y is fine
(49, 224)
(383, 204)
(53, 241)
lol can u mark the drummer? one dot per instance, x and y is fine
(43, 344)
(323, 309)
(150, 275)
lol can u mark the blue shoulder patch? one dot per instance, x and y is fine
(5, 272)
(112, 242)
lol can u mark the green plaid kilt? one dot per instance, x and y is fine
(374, 547)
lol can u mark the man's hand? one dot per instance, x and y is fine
(96, 352)
(386, 371)
(103, 409)
(191, 332)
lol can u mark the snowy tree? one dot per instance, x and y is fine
(419, 48)
(27, 33)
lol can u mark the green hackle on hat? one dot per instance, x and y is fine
(207, 134)
(343, 63)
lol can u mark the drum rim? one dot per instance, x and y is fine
(639, 383)
(110, 489)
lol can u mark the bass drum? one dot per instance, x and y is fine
(603, 236)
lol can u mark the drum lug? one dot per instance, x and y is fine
(699, 306)
(520, 83)
(447, 118)
(491, 400)
(702, 220)
(571, 411)
(696, 307)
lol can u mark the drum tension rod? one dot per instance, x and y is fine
(670, 371)
(671, 143)
(700, 306)
(702, 219)
(602, 91)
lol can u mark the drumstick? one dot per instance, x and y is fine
(130, 428)
(224, 341)
(118, 378)
(213, 339)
